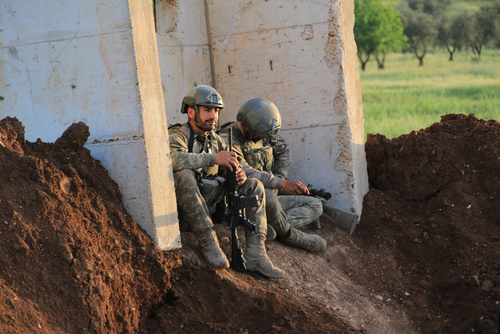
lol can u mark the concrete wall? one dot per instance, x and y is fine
(184, 51)
(94, 61)
(300, 54)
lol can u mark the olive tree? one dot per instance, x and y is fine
(377, 30)
(393, 38)
(421, 30)
(455, 34)
(486, 28)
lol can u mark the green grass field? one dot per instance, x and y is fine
(405, 97)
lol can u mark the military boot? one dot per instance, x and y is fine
(271, 233)
(310, 242)
(256, 259)
(211, 250)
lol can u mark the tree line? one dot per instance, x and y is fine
(419, 25)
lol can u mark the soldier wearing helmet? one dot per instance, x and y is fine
(204, 98)
(196, 153)
(256, 139)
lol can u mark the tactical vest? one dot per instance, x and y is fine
(259, 155)
(206, 146)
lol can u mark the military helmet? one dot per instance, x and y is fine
(261, 117)
(202, 96)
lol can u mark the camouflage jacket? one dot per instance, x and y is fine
(268, 163)
(202, 156)
(282, 158)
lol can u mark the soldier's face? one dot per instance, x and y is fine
(207, 115)
(250, 135)
(255, 138)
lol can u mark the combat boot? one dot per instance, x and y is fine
(271, 233)
(256, 259)
(310, 242)
(210, 247)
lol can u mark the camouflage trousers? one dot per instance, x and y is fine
(194, 213)
(284, 211)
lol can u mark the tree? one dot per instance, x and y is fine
(421, 31)
(394, 40)
(376, 30)
(421, 22)
(435, 8)
(455, 34)
(486, 27)
(366, 13)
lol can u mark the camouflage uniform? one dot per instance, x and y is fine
(194, 206)
(269, 164)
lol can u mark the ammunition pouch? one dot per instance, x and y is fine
(261, 158)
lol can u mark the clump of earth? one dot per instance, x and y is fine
(425, 257)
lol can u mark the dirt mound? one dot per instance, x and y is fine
(72, 260)
(425, 257)
(431, 213)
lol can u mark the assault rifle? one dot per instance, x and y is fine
(232, 210)
(347, 220)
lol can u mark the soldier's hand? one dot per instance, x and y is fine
(228, 159)
(241, 176)
(294, 187)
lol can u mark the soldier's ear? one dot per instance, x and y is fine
(191, 112)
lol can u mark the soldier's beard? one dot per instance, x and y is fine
(203, 126)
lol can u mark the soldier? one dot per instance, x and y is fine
(256, 139)
(197, 152)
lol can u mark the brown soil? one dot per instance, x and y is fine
(425, 257)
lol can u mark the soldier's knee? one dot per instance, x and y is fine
(256, 186)
(316, 202)
(270, 194)
(271, 199)
(317, 206)
(184, 176)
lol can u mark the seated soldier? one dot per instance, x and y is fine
(196, 153)
(256, 139)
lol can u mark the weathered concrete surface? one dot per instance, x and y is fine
(301, 55)
(63, 62)
(354, 104)
(59, 65)
(95, 61)
(183, 46)
(162, 203)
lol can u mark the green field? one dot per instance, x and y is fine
(405, 97)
